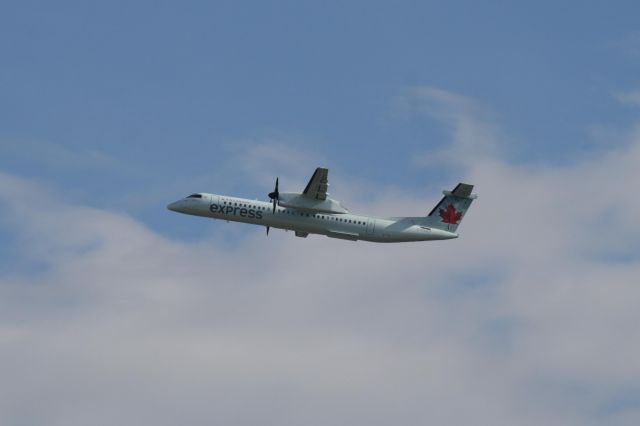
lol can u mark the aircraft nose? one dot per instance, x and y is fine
(175, 206)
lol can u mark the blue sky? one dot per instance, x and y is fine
(158, 87)
(111, 110)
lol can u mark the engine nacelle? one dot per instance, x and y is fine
(302, 202)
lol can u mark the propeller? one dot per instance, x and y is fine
(275, 195)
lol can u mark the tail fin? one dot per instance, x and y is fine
(448, 213)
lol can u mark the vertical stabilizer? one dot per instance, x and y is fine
(448, 213)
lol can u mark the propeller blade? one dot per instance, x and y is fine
(275, 195)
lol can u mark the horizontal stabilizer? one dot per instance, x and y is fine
(462, 190)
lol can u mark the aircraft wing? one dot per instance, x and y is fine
(314, 198)
(318, 184)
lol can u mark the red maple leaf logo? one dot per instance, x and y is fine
(450, 215)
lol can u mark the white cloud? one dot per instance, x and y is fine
(264, 159)
(474, 135)
(631, 98)
(529, 318)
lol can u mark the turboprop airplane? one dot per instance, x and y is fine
(313, 212)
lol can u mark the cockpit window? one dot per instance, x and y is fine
(195, 196)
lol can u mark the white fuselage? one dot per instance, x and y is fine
(343, 225)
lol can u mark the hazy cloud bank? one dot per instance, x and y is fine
(529, 318)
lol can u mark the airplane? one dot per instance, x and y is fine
(313, 212)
